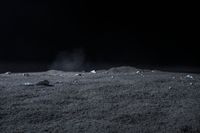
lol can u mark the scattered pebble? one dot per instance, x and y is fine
(191, 83)
(93, 71)
(28, 84)
(44, 83)
(139, 72)
(152, 71)
(173, 77)
(112, 77)
(170, 87)
(189, 76)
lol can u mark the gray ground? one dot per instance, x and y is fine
(123, 99)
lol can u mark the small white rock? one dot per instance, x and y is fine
(191, 83)
(173, 77)
(170, 87)
(78, 74)
(189, 76)
(138, 72)
(28, 84)
(93, 71)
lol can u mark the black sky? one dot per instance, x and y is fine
(107, 31)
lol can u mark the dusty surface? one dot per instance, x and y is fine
(118, 100)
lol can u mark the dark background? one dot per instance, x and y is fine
(108, 32)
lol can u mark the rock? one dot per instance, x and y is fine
(189, 76)
(93, 71)
(44, 83)
(138, 72)
(26, 74)
(8, 73)
(78, 74)
(28, 84)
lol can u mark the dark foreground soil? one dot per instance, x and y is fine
(118, 100)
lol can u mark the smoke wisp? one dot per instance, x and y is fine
(70, 61)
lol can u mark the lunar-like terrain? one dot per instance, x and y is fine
(118, 100)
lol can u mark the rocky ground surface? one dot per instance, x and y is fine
(123, 99)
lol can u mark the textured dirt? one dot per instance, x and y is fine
(122, 99)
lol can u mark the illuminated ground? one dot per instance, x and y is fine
(122, 99)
